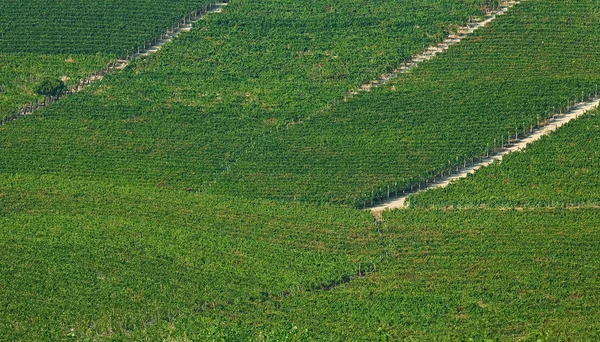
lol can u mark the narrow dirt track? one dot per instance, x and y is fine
(551, 125)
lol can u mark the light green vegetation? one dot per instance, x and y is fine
(448, 110)
(221, 111)
(461, 275)
(108, 259)
(20, 71)
(157, 203)
(561, 169)
(72, 39)
(195, 115)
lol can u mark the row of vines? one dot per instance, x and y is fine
(78, 84)
(84, 27)
(531, 64)
(186, 116)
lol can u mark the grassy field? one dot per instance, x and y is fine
(461, 275)
(448, 110)
(187, 115)
(220, 113)
(108, 260)
(100, 260)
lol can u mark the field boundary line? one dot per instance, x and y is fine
(547, 127)
(184, 25)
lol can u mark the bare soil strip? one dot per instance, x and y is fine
(432, 51)
(184, 26)
(549, 126)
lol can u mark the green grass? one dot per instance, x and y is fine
(157, 204)
(20, 71)
(186, 115)
(105, 261)
(87, 27)
(561, 169)
(446, 111)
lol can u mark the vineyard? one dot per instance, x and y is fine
(20, 71)
(559, 170)
(214, 190)
(109, 258)
(443, 115)
(87, 27)
(205, 115)
(182, 117)
(72, 39)
(460, 275)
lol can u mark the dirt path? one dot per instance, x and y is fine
(184, 26)
(550, 126)
(432, 51)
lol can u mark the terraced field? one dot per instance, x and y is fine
(210, 191)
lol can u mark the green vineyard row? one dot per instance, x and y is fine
(88, 27)
(71, 40)
(101, 259)
(74, 86)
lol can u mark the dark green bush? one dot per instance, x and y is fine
(49, 87)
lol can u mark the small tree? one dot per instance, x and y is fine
(49, 87)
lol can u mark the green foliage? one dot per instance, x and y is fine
(434, 119)
(462, 275)
(201, 111)
(101, 260)
(144, 207)
(49, 87)
(87, 27)
(72, 39)
(561, 169)
(19, 72)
